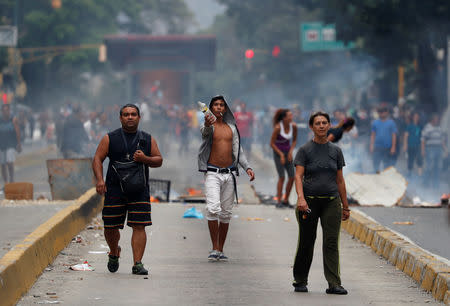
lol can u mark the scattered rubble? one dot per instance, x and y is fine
(384, 189)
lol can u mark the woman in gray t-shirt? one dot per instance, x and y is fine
(321, 194)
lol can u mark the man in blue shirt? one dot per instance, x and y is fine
(383, 140)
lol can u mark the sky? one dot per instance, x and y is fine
(205, 11)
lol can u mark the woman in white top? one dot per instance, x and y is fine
(283, 141)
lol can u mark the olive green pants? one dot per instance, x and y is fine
(329, 211)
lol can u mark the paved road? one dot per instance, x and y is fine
(258, 273)
(431, 228)
(20, 218)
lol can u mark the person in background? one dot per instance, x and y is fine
(411, 144)
(283, 142)
(320, 186)
(434, 149)
(383, 140)
(335, 134)
(244, 121)
(10, 143)
(74, 137)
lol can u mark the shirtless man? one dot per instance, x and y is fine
(219, 157)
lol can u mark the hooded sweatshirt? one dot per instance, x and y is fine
(207, 139)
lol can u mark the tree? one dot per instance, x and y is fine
(84, 22)
(397, 32)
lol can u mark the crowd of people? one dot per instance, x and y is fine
(404, 137)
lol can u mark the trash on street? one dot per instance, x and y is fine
(193, 213)
(85, 266)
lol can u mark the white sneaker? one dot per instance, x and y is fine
(222, 257)
(213, 255)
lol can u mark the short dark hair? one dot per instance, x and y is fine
(317, 114)
(130, 105)
(216, 98)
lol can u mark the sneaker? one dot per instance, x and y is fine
(113, 262)
(279, 205)
(301, 289)
(287, 205)
(222, 257)
(139, 269)
(213, 255)
(336, 290)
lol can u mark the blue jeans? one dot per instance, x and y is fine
(382, 155)
(433, 158)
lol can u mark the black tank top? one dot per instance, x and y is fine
(117, 150)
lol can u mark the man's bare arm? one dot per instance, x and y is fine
(97, 164)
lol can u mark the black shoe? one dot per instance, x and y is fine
(287, 205)
(301, 289)
(279, 205)
(336, 290)
(113, 262)
(139, 269)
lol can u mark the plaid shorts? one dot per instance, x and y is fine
(116, 206)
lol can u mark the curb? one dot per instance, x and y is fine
(430, 272)
(20, 267)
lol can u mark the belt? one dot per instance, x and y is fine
(221, 170)
(227, 170)
(321, 197)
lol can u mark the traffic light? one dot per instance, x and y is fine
(276, 51)
(249, 53)
(56, 4)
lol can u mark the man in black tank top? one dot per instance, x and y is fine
(124, 145)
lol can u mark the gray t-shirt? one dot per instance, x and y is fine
(321, 162)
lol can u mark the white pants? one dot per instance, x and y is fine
(219, 192)
(7, 156)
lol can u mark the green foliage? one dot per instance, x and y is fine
(82, 22)
(392, 32)
(396, 32)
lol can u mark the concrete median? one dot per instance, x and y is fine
(431, 272)
(21, 266)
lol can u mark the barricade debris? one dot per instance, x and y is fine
(193, 213)
(386, 188)
(192, 195)
(85, 266)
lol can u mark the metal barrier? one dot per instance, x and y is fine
(160, 189)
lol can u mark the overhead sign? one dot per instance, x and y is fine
(316, 36)
(8, 36)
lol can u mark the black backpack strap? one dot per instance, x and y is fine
(140, 145)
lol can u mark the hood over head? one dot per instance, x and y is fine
(228, 117)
